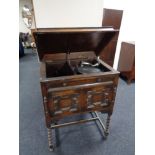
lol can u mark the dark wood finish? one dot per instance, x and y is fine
(74, 93)
(67, 40)
(112, 18)
(126, 63)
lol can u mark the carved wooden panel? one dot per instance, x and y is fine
(65, 103)
(72, 99)
(98, 99)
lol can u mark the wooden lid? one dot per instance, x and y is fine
(67, 40)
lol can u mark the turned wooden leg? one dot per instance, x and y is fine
(106, 132)
(50, 143)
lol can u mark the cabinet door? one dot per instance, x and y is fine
(80, 98)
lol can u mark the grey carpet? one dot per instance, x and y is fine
(84, 139)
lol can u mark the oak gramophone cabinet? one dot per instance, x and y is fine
(73, 78)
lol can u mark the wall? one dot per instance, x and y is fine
(127, 31)
(68, 13)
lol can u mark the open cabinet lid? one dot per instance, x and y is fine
(67, 40)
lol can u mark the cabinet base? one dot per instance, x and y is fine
(95, 117)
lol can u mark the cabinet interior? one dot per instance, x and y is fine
(71, 67)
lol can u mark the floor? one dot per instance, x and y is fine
(84, 139)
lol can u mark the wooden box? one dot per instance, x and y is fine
(65, 90)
